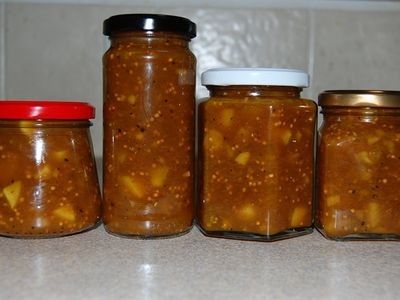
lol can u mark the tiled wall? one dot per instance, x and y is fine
(54, 50)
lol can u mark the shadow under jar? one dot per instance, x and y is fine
(149, 117)
(358, 169)
(48, 179)
(256, 154)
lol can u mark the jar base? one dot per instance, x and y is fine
(248, 236)
(362, 237)
(147, 236)
(48, 236)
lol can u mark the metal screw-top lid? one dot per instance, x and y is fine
(255, 76)
(149, 22)
(360, 98)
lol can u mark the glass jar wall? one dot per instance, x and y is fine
(149, 118)
(358, 165)
(48, 180)
(256, 150)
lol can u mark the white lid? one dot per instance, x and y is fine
(255, 76)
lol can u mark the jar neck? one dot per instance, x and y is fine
(240, 91)
(359, 111)
(148, 38)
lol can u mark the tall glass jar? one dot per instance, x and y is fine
(149, 118)
(358, 165)
(48, 178)
(257, 154)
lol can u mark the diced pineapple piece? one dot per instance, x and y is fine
(60, 155)
(26, 127)
(298, 135)
(363, 157)
(247, 212)
(133, 186)
(121, 157)
(65, 212)
(365, 175)
(227, 116)
(12, 193)
(373, 139)
(332, 200)
(213, 139)
(286, 135)
(139, 136)
(299, 217)
(389, 145)
(44, 172)
(373, 214)
(132, 99)
(243, 158)
(158, 176)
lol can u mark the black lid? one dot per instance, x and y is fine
(149, 22)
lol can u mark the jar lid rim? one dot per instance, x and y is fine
(360, 98)
(149, 22)
(23, 109)
(255, 76)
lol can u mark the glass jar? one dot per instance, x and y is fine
(358, 165)
(257, 154)
(149, 118)
(48, 180)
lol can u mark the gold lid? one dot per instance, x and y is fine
(360, 98)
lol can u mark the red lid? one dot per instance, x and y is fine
(45, 110)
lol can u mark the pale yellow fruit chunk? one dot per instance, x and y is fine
(363, 157)
(158, 176)
(133, 186)
(389, 145)
(243, 158)
(213, 139)
(139, 136)
(60, 155)
(247, 212)
(373, 214)
(65, 212)
(12, 193)
(44, 172)
(26, 127)
(286, 135)
(373, 139)
(298, 136)
(227, 117)
(132, 99)
(332, 200)
(298, 217)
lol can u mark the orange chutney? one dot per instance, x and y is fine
(48, 179)
(256, 149)
(358, 165)
(149, 118)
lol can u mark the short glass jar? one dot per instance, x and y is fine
(149, 119)
(48, 179)
(358, 169)
(257, 154)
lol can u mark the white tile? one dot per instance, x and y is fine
(357, 50)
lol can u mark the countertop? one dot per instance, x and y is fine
(96, 265)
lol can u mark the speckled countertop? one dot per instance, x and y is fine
(95, 265)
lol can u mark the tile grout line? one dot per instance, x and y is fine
(2, 50)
